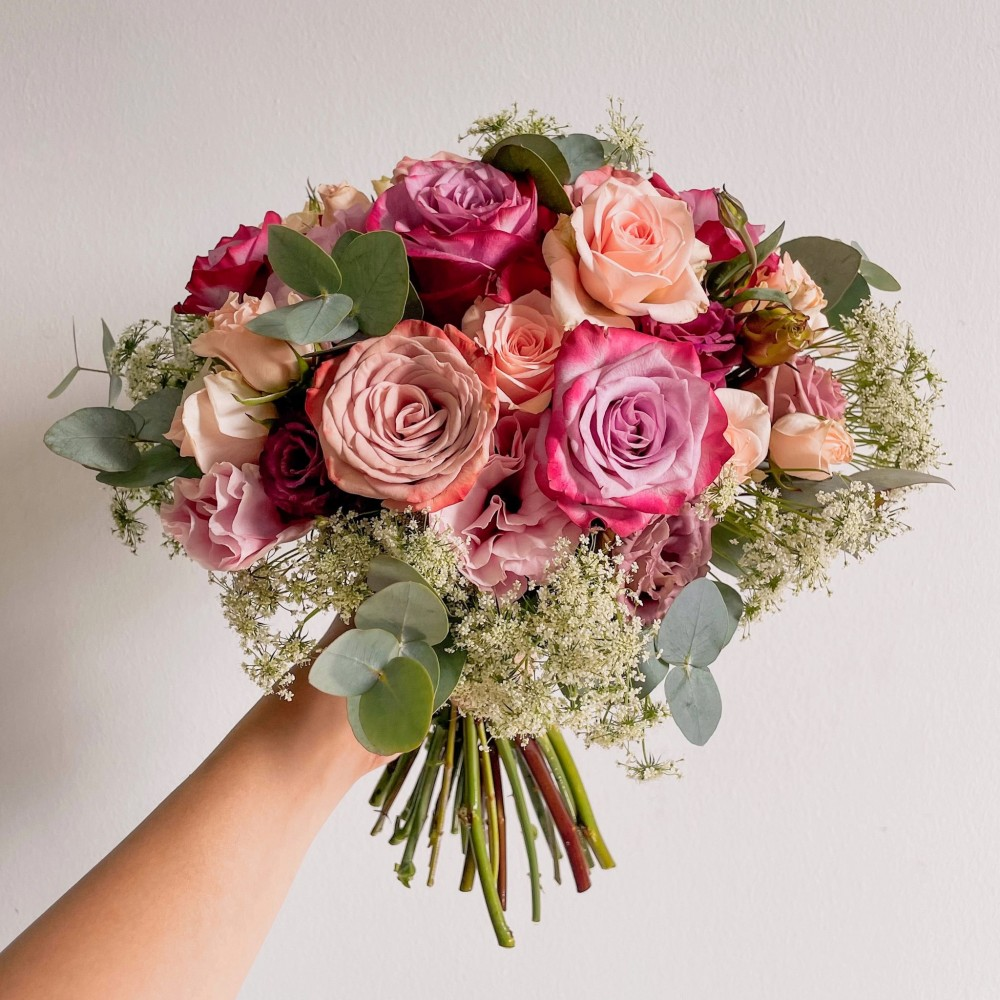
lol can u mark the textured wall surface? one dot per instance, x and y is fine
(837, 837)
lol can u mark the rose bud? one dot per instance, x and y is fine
(774, 335)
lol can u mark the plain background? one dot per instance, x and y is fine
(837, 837)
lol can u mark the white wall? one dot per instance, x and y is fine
(837, 838)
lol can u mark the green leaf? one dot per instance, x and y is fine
(395, 713)
(720, 276)
(157, 413)
(309, 322)
(354, 718)
(300, 263)
(762, 295)
(653, 670)
(539, 158)
(377, 278)
(894, 479)
(157, 465)
(878, 277)
(696, 626)
(734, 605)
(582, 153)
(65, 383)
(408, 610)
(426, 656)
(833, 265)
(450, 666)
(695, 702)
(343, 242)
(350, 665)
(98, 437)
(727, 549)
(384, 570)
(857, 292)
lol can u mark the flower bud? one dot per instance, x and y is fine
(732, 214)
(774, 335)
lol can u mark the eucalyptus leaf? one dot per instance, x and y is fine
(878, 277)
(806, 492)
(350, 665)
(308, 322)
(450, 665)
(426, 656)
(857, 292)
(383, 571)
(65, 383)
(395, 712)
(354, 718)
(833, 265)
(894, 479)
(696, 626)
(300, 263)
(155, 466)
(582, 153)
(157, 413)
(727, 550)
(98, 437)
(695, 702)
(377, 278)
(345, 240)
(408, 610)
(653, 670)
(734, 605)
(538, 157)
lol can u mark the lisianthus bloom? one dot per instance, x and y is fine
(790, 277)
(211, 425)
(808, 446)
(406, 418)
(627, 250)
(225, 520)
(748, 432)
(236, 264)
(633, 431)
(293, 472)
(506, 525)
(266, 364)
(799, 386)
(723, 243)
(470, 230)
(712, 335)
(670, 552)
(523, 338)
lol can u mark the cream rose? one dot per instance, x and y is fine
(627, 250)
(805, 295)
(266, 364)
(341, 198)
(211, 425)
(749, 430)
(523, 337)
(807, 446)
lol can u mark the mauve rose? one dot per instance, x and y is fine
(634, 430)
(292, 470)
(236, 264)
(406, 418)
(799, 386)
(712, 335)
(723, 243)
(668, 554)
(225, 520)
(507, 525)
(470, 230)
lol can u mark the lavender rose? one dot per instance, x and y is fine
(713, 336)
(799, 386)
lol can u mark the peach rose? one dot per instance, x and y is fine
(627, 250)
(341, 198)
(793, 279)
(523, 337)
(808, 446)
(211, 425)
(266, 364)
(749, 430)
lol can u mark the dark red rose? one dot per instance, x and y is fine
(237, 264)
(713, 336)
(293, 473)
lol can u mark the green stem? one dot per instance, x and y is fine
(527, 827)
(441, 809)
(544, 819)
(405, 870)
(468, 871)
(478, 837)
(584, 811)
(490, 795)
(555, 766)
(404, 763)
(501, 826)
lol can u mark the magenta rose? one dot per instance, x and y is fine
(634, 429)
(508, 527)
(712, 335)
(237, 264)
(225, 520)
(799, 386)
(723, 243)
(667, 554)
(293, 472)
(470, 230)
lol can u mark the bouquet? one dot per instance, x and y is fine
(542, 433)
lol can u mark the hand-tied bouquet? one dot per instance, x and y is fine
(510, 421)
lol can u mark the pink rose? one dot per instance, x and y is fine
(749, 430)
(225, 520)
(523, 339)
(667, 555)
(799, 386)
(712, 335)
(634, 430)
(211, 425)
(627, 250)
(237, 264)
(808, 446)
(590, 180)
(506, 524)
(723, 243)
(406, 418)
(402, 169)
(266, 364)
(470, 230)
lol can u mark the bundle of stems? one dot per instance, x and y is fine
(465, 765)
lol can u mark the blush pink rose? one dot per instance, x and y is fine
(749, 430)
(212, 426)
(723, 243)
(627, 250)
(590, 180)
(789, 276)
(634, 430)
(225, 521)
(807, 446)
(406, 418)
(507, 526)
(523, 339)
(666, 555)
(799, 386)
